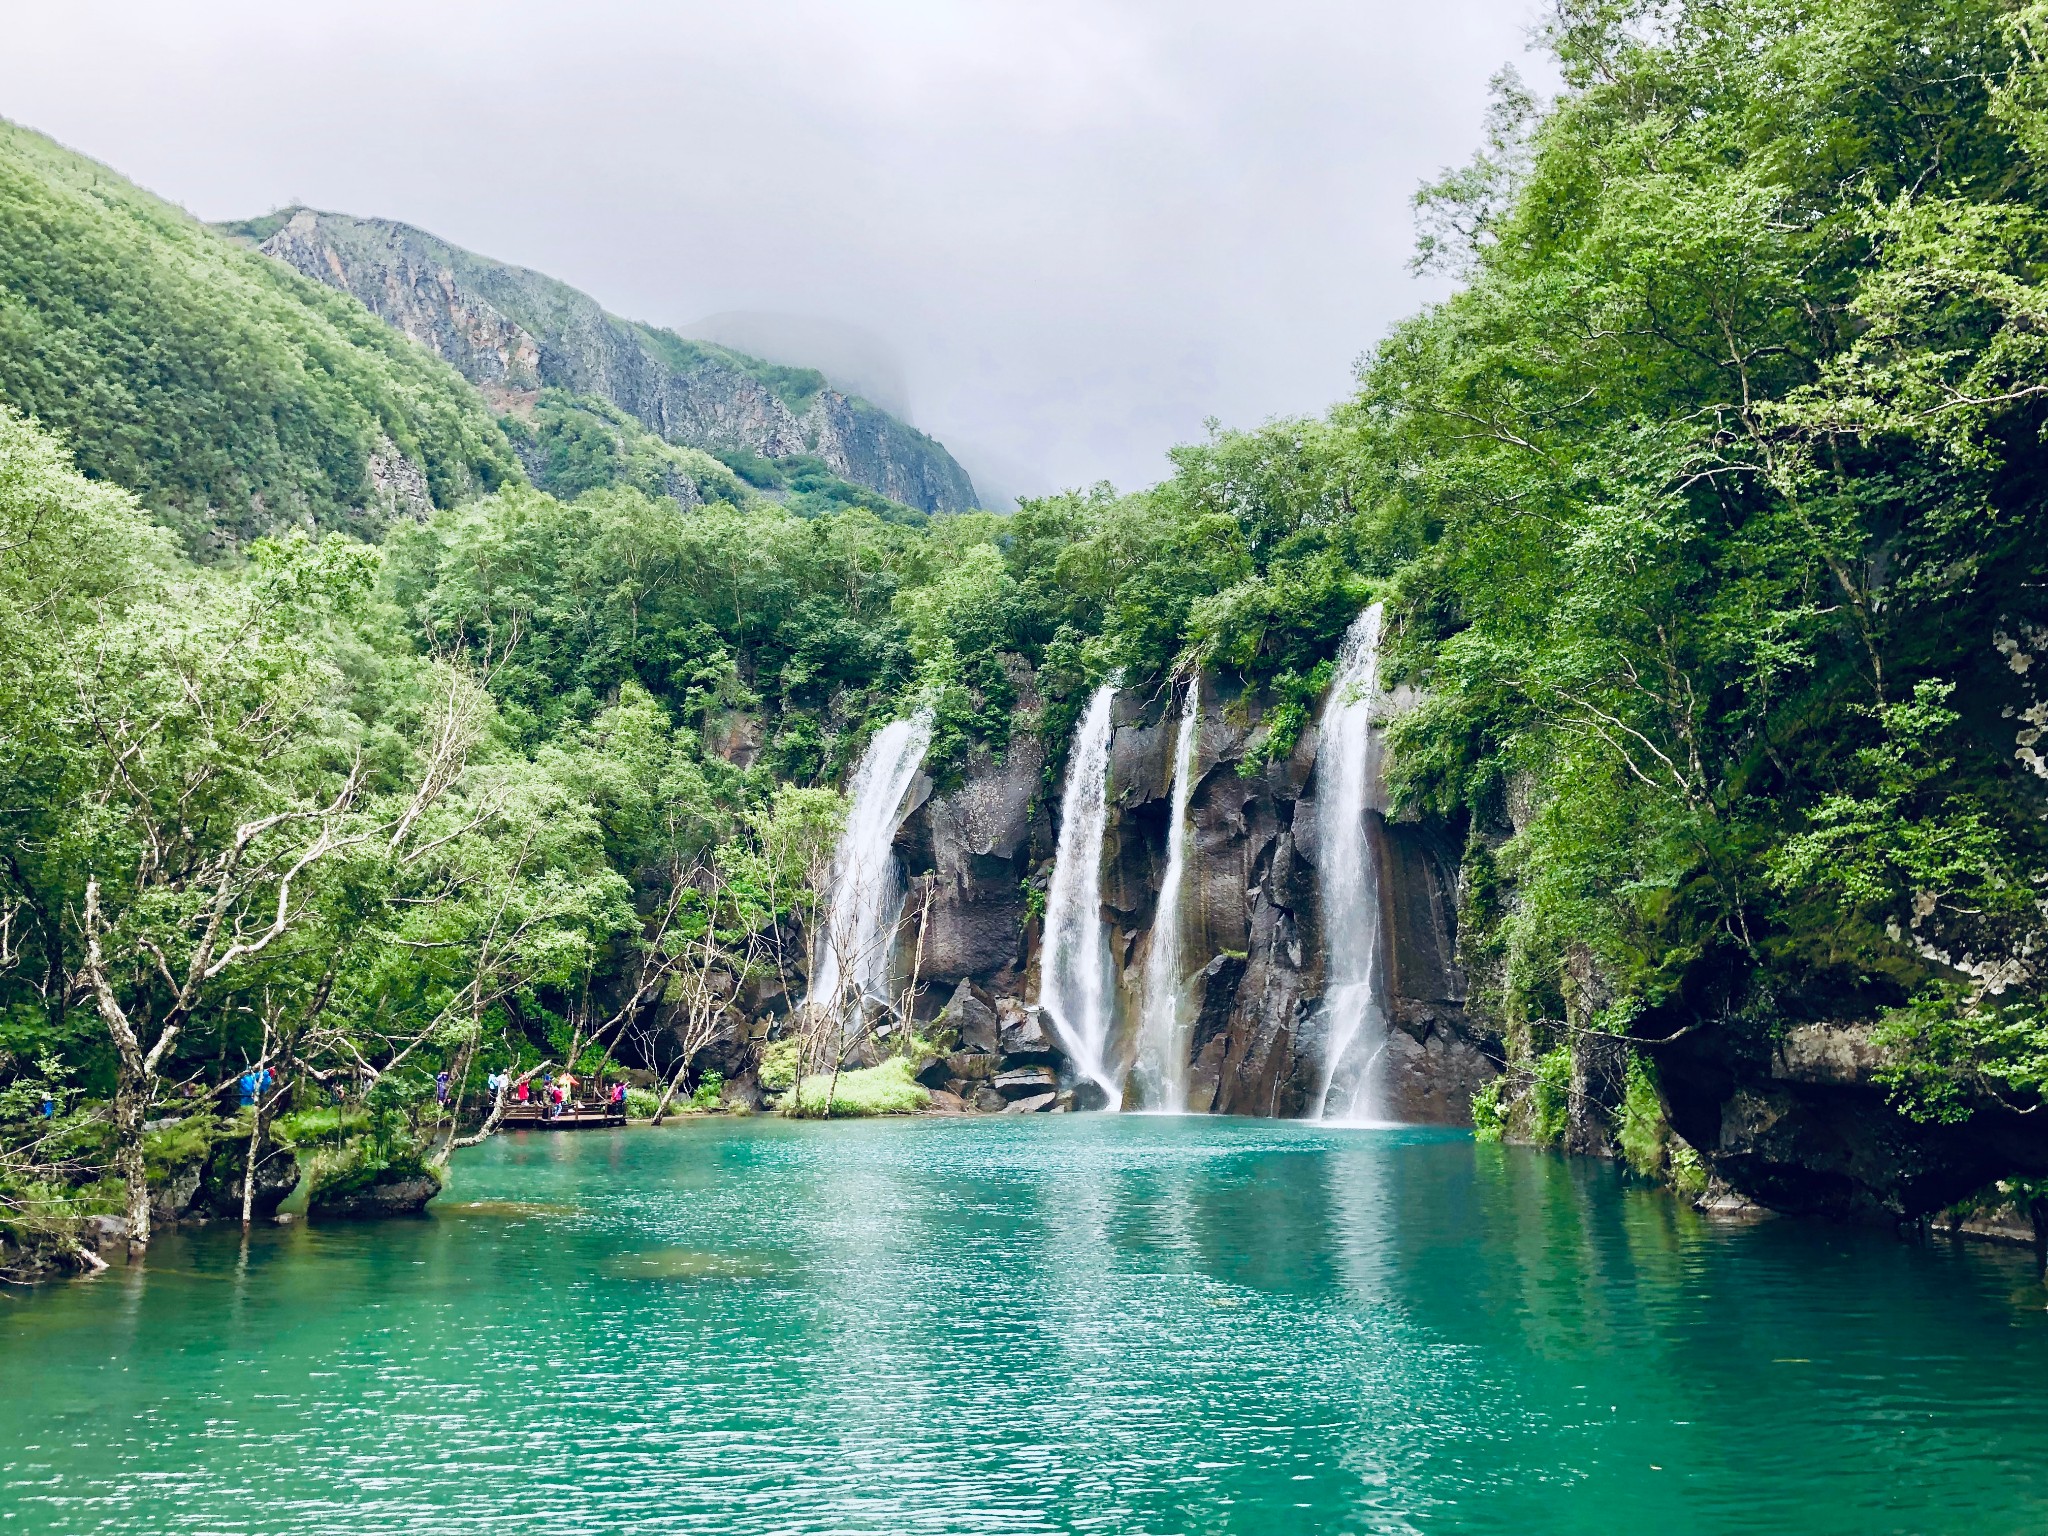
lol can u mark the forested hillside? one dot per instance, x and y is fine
(1707, 515)
(232, 396)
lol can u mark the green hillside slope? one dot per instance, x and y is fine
(230, 394)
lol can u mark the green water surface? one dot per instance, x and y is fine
(1075, 1323)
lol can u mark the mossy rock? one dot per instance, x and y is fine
(364, 1185)
(887, 1089)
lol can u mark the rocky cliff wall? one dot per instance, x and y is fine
(508, 329)
(1788, 1118)
(1252, 924)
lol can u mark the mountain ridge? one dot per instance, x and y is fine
(512, 331)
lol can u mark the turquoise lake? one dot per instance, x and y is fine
(1042, 1324)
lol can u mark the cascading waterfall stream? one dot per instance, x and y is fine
(1075, 982)
(1348, 883)
(1161, 1071)
(850, 972)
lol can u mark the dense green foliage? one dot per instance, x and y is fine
(1722, 481)
(229, 394)
(577, 443)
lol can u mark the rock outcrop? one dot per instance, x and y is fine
(509, 330)
(1253, 930)
(391, 1192)
(1798, 1121)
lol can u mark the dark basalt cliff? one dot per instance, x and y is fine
(508, 330)
(1253, 928)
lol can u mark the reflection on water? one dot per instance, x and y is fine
(1099, 1323)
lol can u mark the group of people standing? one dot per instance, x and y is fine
(556, 1093)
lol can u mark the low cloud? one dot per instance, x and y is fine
(1083, 228)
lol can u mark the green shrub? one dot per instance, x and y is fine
(641, 1103)
(708, 1090)
(779, 1063)
(1688, 1174)
(1489, 1115)
(179, 1145)
(1644, 1132)
(887, 1089)
(1550, 1097)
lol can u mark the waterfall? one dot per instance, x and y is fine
(1161, 1071)
(1074, 976)
(1348, 884)
(850, 971)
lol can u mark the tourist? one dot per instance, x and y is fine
(441, 1086)
(520, 1092)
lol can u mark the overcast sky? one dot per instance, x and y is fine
(1084, 225)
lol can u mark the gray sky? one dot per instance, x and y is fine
(1085, 225)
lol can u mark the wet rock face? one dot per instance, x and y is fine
(989, 1054)
(1252, 938)
(967, 853)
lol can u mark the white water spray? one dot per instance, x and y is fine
(1348, 883)
(1074, 985)
(1161, 1071)
(850, 972)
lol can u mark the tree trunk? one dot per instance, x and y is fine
(674, 1083)
(131, 1105)
(262, 1119)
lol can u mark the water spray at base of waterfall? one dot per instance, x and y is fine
(1352, 1089)
(1075, 985)
(1160, 1074)
(850, 968)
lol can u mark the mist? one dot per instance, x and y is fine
(1075, 231)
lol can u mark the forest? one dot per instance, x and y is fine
(1707, 514)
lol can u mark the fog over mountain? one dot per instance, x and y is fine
(1081, 227)
(854, 358)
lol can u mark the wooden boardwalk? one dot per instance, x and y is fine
(575, 1117)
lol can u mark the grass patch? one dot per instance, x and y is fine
(313, 1127)
(887, 1089)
